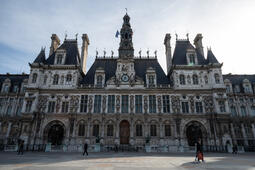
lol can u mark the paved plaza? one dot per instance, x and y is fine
(123, 161)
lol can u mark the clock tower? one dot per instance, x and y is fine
(126, 49)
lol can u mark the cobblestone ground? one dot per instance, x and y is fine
(124, 161)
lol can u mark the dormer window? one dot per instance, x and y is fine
(228, 88)
(192, 59)
(55, 79)
(182, 79)
(151, 79)
(6, 88)
(15, 88)
(34, 78)
(246, 88)
(99, 80)
(195, 79)
(59, 58)
(217, 78)
(237, 89)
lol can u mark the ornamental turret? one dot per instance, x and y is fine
(126, 49)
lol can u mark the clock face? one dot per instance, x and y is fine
(125, 77)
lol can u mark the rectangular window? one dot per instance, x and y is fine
(192, 59)
(97, 104)
(167, 130)
(151, 80)
(9, 110)
(233, 111)
(124, 104)
(185, 107)
(29, 105)
(153, 130)
(65, 107)
(199, 107)
(81, 131)
(139, 130)
(84, 103)
(152, 103)
(51, 107)
(252, 110)
(95, 130)
(109, 130)
(59, 59)
(138, 104)
(166, 104)
(222, 106)
(243, 110)
(111, 103)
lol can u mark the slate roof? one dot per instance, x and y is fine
(41, 57)
(179, 55)
(16, 79)
(238, 80)
(72, 53)
(211, 58)
(141, 65)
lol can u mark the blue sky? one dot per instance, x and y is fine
(227, 27)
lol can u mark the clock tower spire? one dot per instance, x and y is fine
(126, 49)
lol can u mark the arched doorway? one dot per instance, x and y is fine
(54, 133)
(124, 132)
(195, 130)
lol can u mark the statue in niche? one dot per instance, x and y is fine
(131, 103)
(188, 79)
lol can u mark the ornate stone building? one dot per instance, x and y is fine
(127, 100)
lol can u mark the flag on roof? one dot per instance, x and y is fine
(117, 34)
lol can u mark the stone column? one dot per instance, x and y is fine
(132, 129)
(117, 129)
(88, 130)
(233, 133)
(244, 135)
(253, 129)
(102, 130)
(9, 129)
(161, 130)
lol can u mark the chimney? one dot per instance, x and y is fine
(168, 52)
(84, 51)
(198, 44)
(54, 43)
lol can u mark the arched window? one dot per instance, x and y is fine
(34, 78)
(110, 130)
(182, 79)
(81, 130)
(68, 78)
(99, 80)
(217, 78)
(55, 79)
(195, 79)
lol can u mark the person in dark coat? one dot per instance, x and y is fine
(21, 147)
(199, 150)
(85, 149)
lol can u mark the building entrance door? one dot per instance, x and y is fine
(193, 133)
(124, 132)
(56, 134)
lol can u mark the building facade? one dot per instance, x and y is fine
(127, 100)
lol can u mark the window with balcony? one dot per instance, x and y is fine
(166, 104)
(65, 107)
(138, 104)
(124, 103)
(111, 103)
(185, 107)
(51, 106)
(84, 103)
(152, 103)
(182, 79)
(199, 107)
(97, 104)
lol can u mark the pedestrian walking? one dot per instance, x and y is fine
(21, 147)
(85, 149)
(199, 153)
(234, 149)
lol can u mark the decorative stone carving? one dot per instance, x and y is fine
(192, 104)
(208, 101)
(131, 103)
(104, 104)
(58, 103)
(90, 103)
(176, 104)
(74, 104)
(145, 104)
(159, 104)
(118, 104)
(42, 102)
